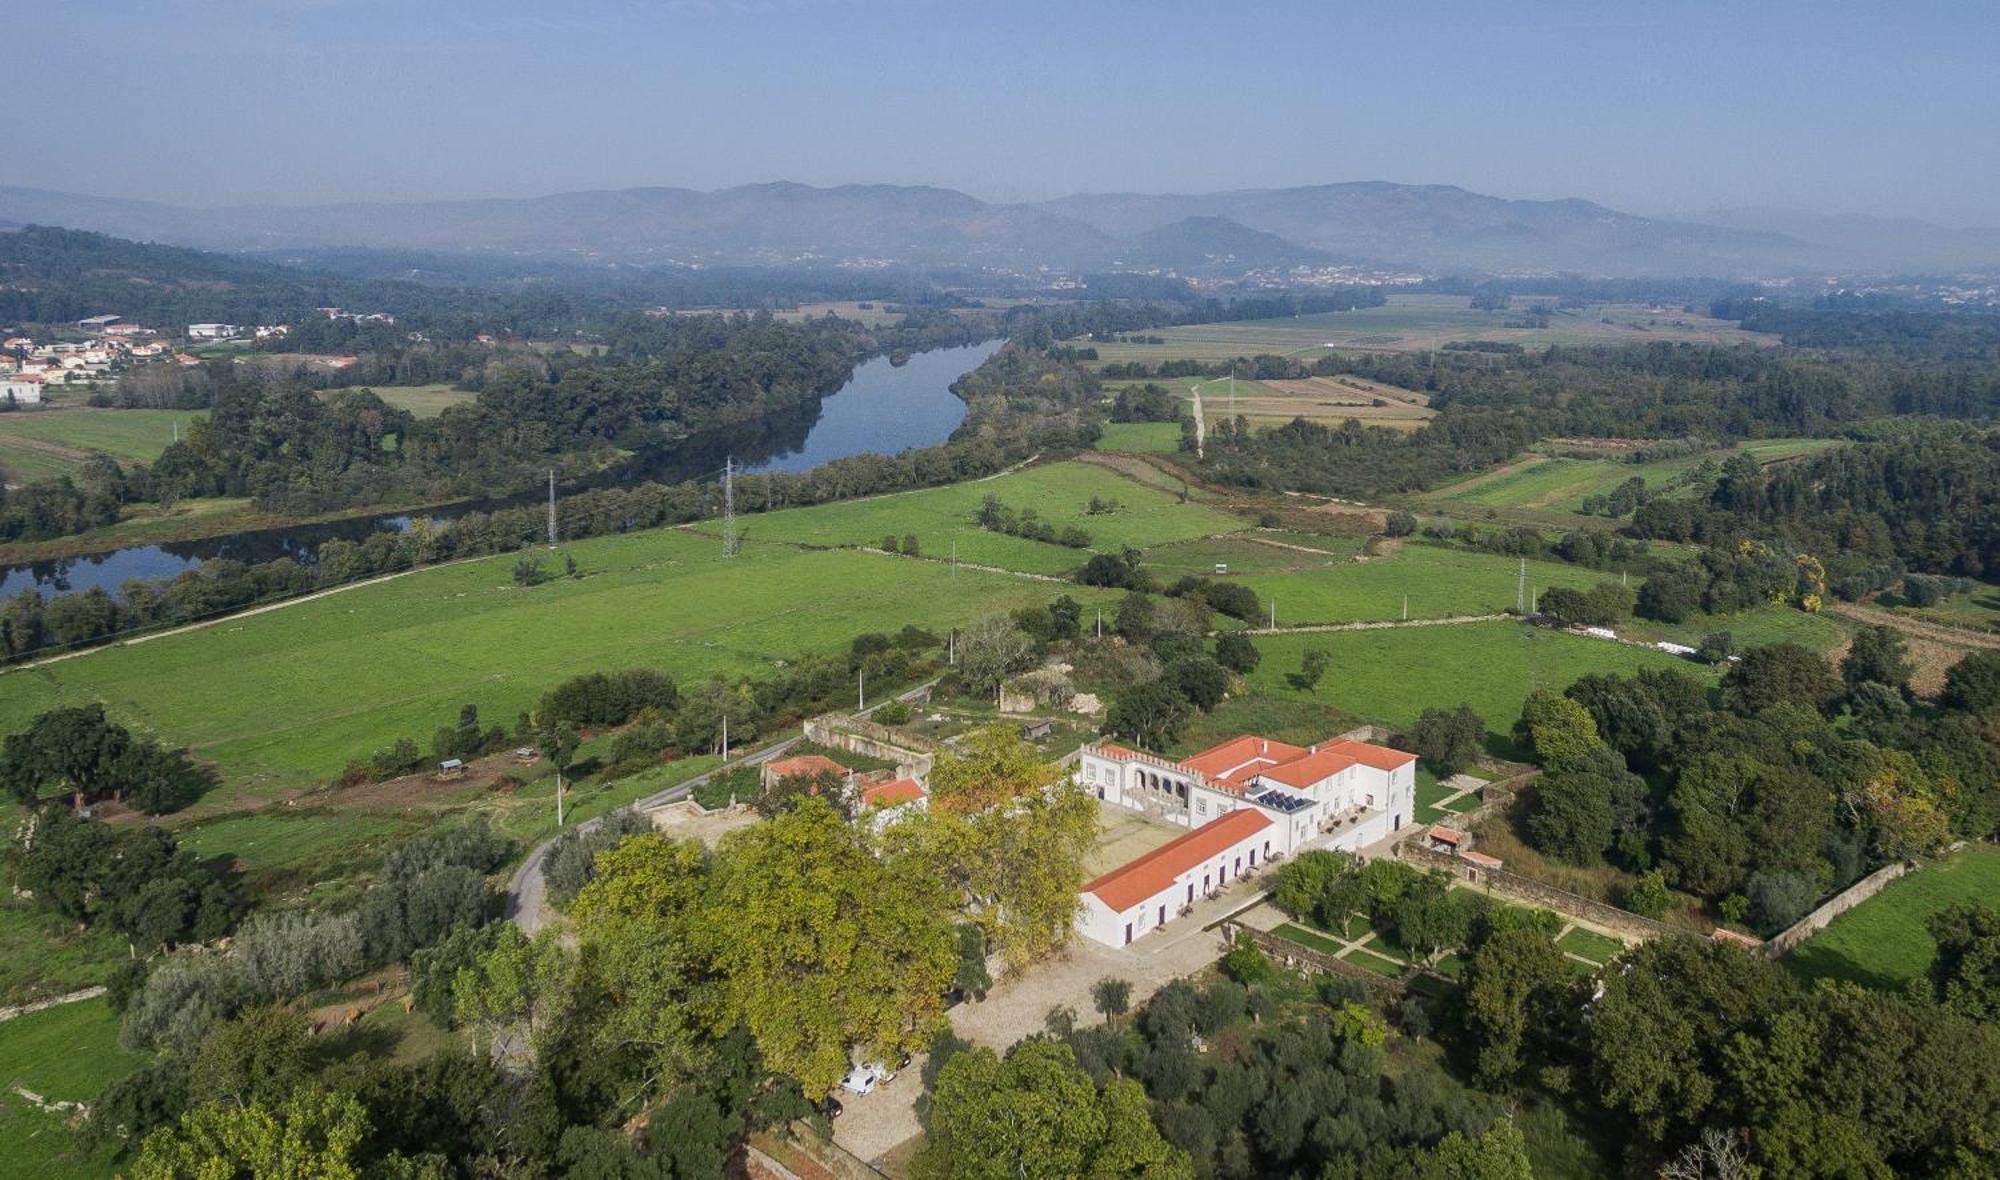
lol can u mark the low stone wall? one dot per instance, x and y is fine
(1783, 942)
(1294, 955)
(1515, 887)
(859, 736)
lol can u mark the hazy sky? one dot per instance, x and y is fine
(1890, 107)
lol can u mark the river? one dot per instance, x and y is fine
(883, 408)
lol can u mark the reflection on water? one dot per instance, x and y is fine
(883, 408)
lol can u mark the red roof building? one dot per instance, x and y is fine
(1150, 890)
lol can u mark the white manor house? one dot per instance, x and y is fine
(1244, 802)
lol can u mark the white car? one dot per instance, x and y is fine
(863, 1079)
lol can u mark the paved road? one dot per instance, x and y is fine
(527, 890)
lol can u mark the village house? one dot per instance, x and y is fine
(213, 331)
(97, 323)
(21, 389)
(1353, 792)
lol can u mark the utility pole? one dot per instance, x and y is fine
(725, 737)
(954, 557)
(729, 507)
(1521, 590)
(1406, 606)
(552, 508)
(951, 647)
(1100, 622)
(860, 689)
(1274, 614)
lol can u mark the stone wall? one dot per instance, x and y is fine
(1515, 887)
(858, 736)
(1783, 942)
(1294, 955)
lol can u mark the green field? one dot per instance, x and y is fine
(66, 1054)
(425, 401)
(1437, 583)
(1882, 942)
(1142, 438)
(1589, 944)
(1556, 483)
(1392, 675)
(42, 444)
(44, 955)
(291, 695)
(1059, 494)
(1409, 322)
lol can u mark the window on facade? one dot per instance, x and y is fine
(1201, 809)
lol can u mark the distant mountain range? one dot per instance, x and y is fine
(1434, 228)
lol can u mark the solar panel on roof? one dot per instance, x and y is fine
(1283, 801)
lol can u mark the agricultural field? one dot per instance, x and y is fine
(1324, 399)
(1411, 323)
(870, 313)
(1391, 675)
(1559, 484)
(1882, 942)
(285, 697)
(425, 401)
(1434, 581)
(1059, 493)
(64, 1054)
(43, 954)
(43, 444)
(1142, 438)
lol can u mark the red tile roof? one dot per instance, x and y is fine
(1369, 754)
(1322, 763)
(1148, 875)
(892, 793)
(805, 764)
(1444, 835)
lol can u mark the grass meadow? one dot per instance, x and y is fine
(1556, 483)
(1059, 493)
(1390, 676)
(1142, 438)
(1882, 942)
(66, 1054)
(289, 696)
(424, 401)
(42, 444)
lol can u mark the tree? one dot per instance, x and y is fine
(1235, 651)
(1302, 882)
(315, 1133)
(1499, 1153)
(1035, 1113)
(1876, 655)
(1111, 996)
(1150, 715)
(1399, 523)
(1201, 680)
(1716, 647)
(1312, 668)
(1777, 674)
(972, 976)
(558, 744)
(1966, 972)
(1513, 985)
(1134, 617)
(992, 650)
(1010, 833)
(83, 753)
(1973, 684)
(910, 546)
(1448, 740)
(529, 572)
(1672, 594)
(1648, 895)
(1246, 963)
(823, 946)
(1573, 817)
(1561, 732)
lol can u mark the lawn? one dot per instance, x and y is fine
(1882, 942)
(424, 401)
(1560, 484)
(1145, 438)
(68, 1054)
(289, 696)
(43, 954)
(41, 444)
(1589, 944)
(1392, 675)
(1434, 581)
(1059, 493)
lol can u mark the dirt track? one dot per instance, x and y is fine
(1920, 628)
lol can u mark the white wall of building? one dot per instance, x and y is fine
(1101, 923)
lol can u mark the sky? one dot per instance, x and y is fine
(1668, 106)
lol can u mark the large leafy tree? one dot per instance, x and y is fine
(1513, 984)
(81, 752)
(1781, 673)
(315, 1133)
(1448, 739)
(1010, 832)
(1036, 1113)
(825, 947)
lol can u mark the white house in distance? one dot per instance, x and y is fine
(213, 331)
(22, 389)
(1144, 894)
